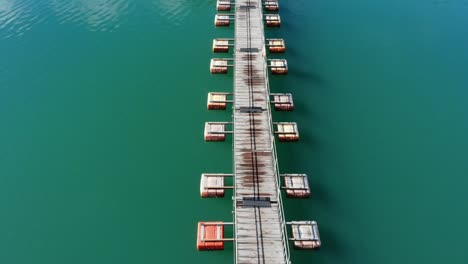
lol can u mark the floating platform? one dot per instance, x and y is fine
(278, 66)
(287, 131)
(271, 6)
(283, 102)
(273, 20)
(223, 5)
(305, 235)
(210, 236)
(222, 20)
(211, 185)
(296, 185)
(221, 45)
(215, 131)
(218, 66)
(260, 232)
(217, 101)
(276, 45)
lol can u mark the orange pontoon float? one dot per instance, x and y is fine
(296, 185)
(305, 235)
(217, 101)
(211, 185)
(271, 6)
(210, 236)
(283, 102)
(273, 20)
(215, 132)
(276, 46)
(287, 131)
(223, 5)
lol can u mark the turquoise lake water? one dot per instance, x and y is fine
(102, 106)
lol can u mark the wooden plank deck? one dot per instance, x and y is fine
(259, 232)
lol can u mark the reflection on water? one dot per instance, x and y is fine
(6, 6)
(8, 13)
(17, 17)
(97, 15)
(175, 11)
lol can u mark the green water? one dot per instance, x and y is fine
(102, 106)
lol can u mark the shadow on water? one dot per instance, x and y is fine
(333, 247)
(308, 88)
(308, 140)
(304, 75)
(319, 207)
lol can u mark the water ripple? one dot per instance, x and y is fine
(18, 16)
(174, 11)
(96, 15)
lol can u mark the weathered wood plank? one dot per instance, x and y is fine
(259, 237)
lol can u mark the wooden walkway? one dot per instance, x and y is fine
(260, 234)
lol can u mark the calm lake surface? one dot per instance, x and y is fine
(102, 106)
